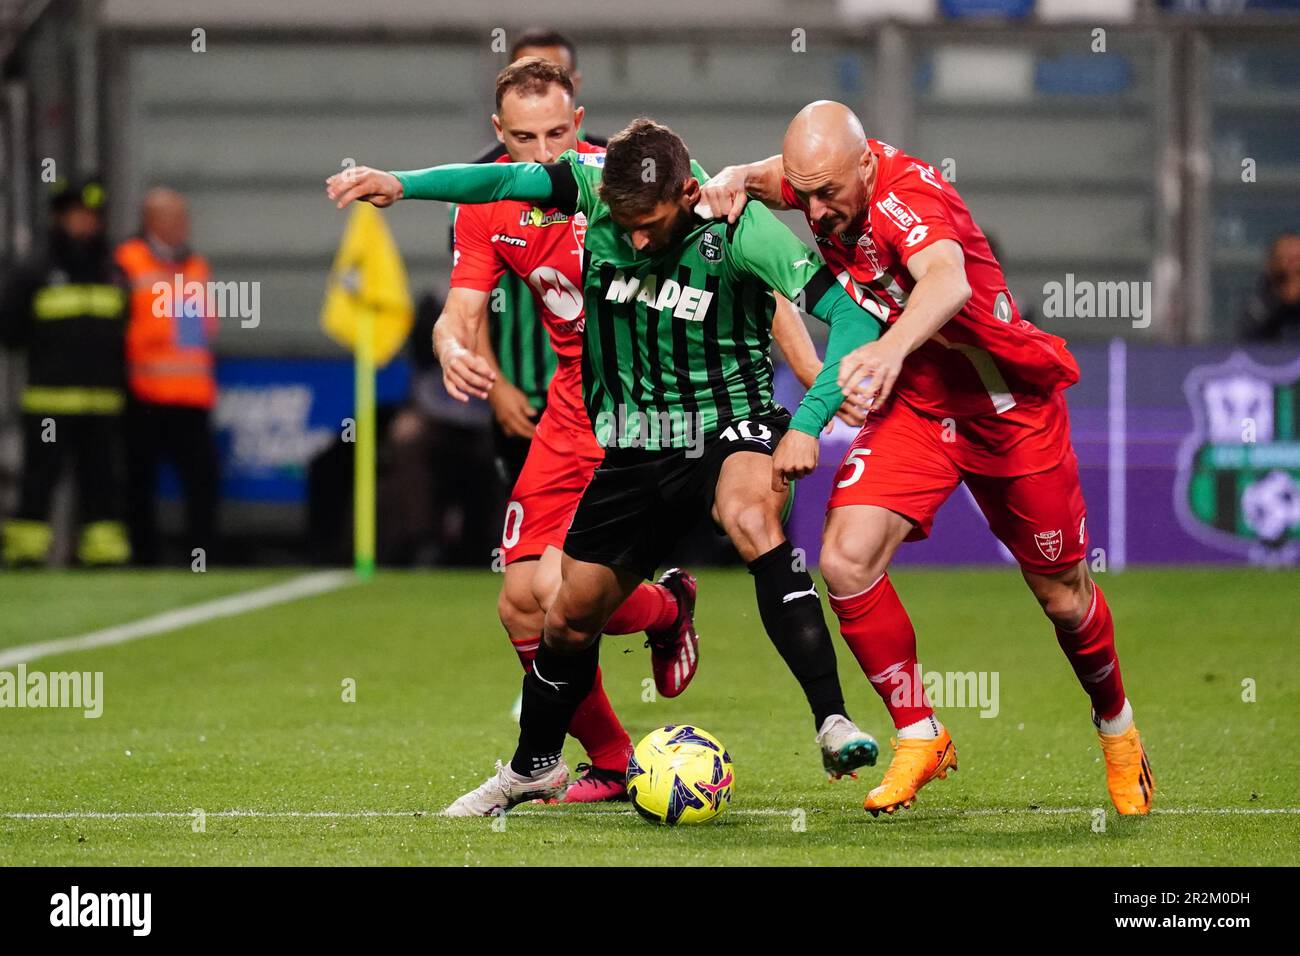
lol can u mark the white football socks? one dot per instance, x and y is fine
(1117, 724)
(927, 728)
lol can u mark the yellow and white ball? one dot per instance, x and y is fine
(680, 774)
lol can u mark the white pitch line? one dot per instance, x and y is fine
(229, 606)
(738, 811)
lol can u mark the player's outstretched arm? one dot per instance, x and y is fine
(726, 193)
(465, 372)
(851, 327)
(764, 247)
(792, 338)
(363, 184)
(466, 183)
(796, 345)
(796, 455)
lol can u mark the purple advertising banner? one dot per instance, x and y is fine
(1186, 455)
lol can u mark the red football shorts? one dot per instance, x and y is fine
(561, 460)
(901, 461)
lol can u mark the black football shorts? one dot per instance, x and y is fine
(640, 503)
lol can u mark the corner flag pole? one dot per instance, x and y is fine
(363, 501)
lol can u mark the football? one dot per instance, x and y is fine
(680, 774)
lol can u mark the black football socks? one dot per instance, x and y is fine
(553, 691)
(792, 615)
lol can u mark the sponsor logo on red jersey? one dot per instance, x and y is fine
(898, 211)
(539, 217)
(560, 296)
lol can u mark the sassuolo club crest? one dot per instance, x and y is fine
(1238, 483)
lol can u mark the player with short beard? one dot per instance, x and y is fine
(536, 121)
(679, 320)
(978, 396)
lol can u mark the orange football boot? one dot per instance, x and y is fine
(915, 763)
(1128, 774)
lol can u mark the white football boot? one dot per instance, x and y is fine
(845, 748)
(505, 788)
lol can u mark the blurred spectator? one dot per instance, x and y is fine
(1273, 313)
(67, 311)
(169, 374)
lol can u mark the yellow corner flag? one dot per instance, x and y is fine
(368, 279)
(368, 310)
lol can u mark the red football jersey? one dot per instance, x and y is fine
(996, 374)
(544, 247)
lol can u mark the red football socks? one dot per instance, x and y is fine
(650, 607)
(878, 631)
(1091, 650)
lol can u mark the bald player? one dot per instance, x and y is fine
(961, 389)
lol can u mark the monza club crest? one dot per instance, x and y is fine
(1238, 483)
(1049, 543)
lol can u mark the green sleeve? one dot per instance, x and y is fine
(764, 247)
(851, 326)
(477, 182)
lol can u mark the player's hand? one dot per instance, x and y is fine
(795, 457)
(465, 373)
(513, 410)
(852, 413)
(869, 372)
(365, 184)
(724, 194)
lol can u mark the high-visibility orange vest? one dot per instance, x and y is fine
(169, 361)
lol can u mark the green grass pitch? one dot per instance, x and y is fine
(243, 718)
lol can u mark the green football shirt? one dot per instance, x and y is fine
(681, 339)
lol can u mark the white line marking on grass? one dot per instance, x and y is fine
(229, 606)
(738, 811)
